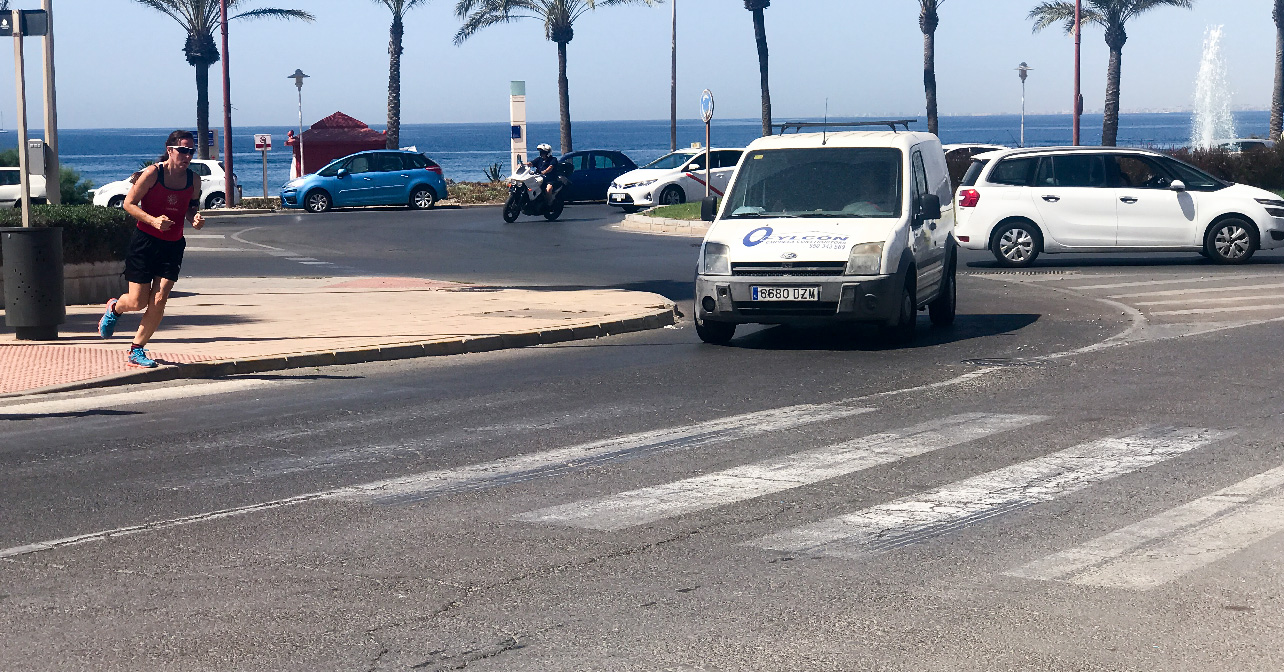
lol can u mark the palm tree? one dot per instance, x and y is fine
(199, 18)
(395, 32)
(1113, 15)
(559, 18)
(1277, 99)
(928, 20)
(760, 36)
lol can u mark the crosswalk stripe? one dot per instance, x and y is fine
(1225, 309)
(1206, 290)
(1179, 281)
(1211, 299)
(539, 465)
(1176, 542)
(746, 482)
(919, 517)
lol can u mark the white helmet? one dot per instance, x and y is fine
(544, 148)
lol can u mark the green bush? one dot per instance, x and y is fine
(478, 192)
(1262, 168)
(89, 232)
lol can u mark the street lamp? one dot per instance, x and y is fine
(1024, 71)
(298, 78)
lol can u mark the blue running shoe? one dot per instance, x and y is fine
(138, 358)
(107, 325)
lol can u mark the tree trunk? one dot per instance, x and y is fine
(394, 83)
(203, 110)
(1277, 97)
(564, 98)
(929, 80)
(760, 35)
(1110, 125)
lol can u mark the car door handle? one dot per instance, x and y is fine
(1129, 200)
(1052, 199)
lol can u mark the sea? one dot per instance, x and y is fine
(465, 150)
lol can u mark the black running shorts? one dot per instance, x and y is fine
(150, 257)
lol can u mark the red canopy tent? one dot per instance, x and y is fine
(336, 136)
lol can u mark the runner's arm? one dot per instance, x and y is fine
(194, 206)
(134, 199)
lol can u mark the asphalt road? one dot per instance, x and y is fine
(1083, 474)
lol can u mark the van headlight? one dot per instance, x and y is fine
(865, 259)
(714, 259)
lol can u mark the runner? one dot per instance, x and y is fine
(162, 200)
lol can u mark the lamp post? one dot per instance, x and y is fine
(298, 78)
(1078, 43)
(673, 93)
(1023, 71)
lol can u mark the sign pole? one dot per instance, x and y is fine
(53, 179)
(706, 112)
(229, 192)
(263, 142)
(20, 76)
(265, 173)
(1078, 42)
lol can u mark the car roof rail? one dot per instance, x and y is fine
(799, 125)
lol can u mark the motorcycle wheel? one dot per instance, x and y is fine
(512, 208)
(556, 210)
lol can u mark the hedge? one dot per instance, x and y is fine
(1256, 167)
(89, 232)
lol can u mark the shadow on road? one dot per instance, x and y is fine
(1154, 261)
(867, 339)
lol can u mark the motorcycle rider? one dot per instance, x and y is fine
(545, 165)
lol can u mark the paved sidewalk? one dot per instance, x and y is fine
(224, 326)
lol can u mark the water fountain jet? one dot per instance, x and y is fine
(1212, 123)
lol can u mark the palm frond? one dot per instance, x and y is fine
(170, 8)
(1047, 14)
(274, 13)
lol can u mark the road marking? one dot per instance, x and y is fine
(509, 470)
(737, 484)
(204, 236)
(1190, 536)
(920, 517)
(1229, 309)
(1198, 280)
(218, 249)
(133, 398)
(1212, 299)
(316, 263)
(296, 258)
(1206, 290)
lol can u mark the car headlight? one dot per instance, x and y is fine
(714, 259)
(643, 183)
(865, 259)
(294, 184)
(1274, 207)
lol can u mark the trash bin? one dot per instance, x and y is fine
(33, 299)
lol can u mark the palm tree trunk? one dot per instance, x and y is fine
(1110, 126)
(395, 34)
(929, 80)
(760, 35)
(1277, 97)
(203, 110)
(564, 97)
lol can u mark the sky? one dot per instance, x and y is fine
(120, 64)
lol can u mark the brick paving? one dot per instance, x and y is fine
(221, 319)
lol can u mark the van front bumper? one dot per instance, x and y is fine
(871, 299)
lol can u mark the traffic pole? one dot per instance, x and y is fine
(265, 172)
(20, 76)
(53, 175)
(1078, 43)
(229, 193)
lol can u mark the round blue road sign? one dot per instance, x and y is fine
(706, 105)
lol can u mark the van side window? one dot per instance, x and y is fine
(1013, 172)
(1072, 170)
(920, 178)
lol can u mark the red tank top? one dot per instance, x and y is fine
(161, 200)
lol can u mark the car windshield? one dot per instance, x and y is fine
(829, 182)
(670, 161)
(332, 169)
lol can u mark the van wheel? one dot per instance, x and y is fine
(716, 333)
(1016, 244)
(942, 310)
(116, 202)
(673, 195)
(1231, 241)
(901, 332)
(423, 198)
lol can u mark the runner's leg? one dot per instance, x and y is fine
(155, 310)
(138, 297)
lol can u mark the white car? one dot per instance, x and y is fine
(113, 194)
(1020, 203)
(830, 229)
(11, 188)
(673, 178)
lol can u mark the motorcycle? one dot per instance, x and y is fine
(526, 196)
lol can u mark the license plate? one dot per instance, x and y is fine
(617, 197)
(785, 293)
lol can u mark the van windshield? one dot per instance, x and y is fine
(818, 182)
(670, 161)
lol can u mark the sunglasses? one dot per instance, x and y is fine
(185, 151)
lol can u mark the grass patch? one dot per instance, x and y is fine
(688, 211)
(1280, 192)
(472, 193)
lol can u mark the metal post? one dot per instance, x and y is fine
(229, 192)
(673, 95)
(1023, 71)
(20, 75)
(53, 178)
(265, 172)
(1078, 42)
(298, 78)
(708, 154)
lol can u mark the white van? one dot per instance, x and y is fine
(831, 228)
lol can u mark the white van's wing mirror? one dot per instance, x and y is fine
(929, 208)
(1177, 185)
(708, 209)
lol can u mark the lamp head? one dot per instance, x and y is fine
(1024, 71)
(298, 77)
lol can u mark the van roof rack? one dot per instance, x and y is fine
(799, 125)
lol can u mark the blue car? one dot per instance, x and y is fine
(378, 177)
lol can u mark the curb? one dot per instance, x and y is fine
(663, 226)
(235, 212)
(381, 353)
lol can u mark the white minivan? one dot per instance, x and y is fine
(830, 228)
